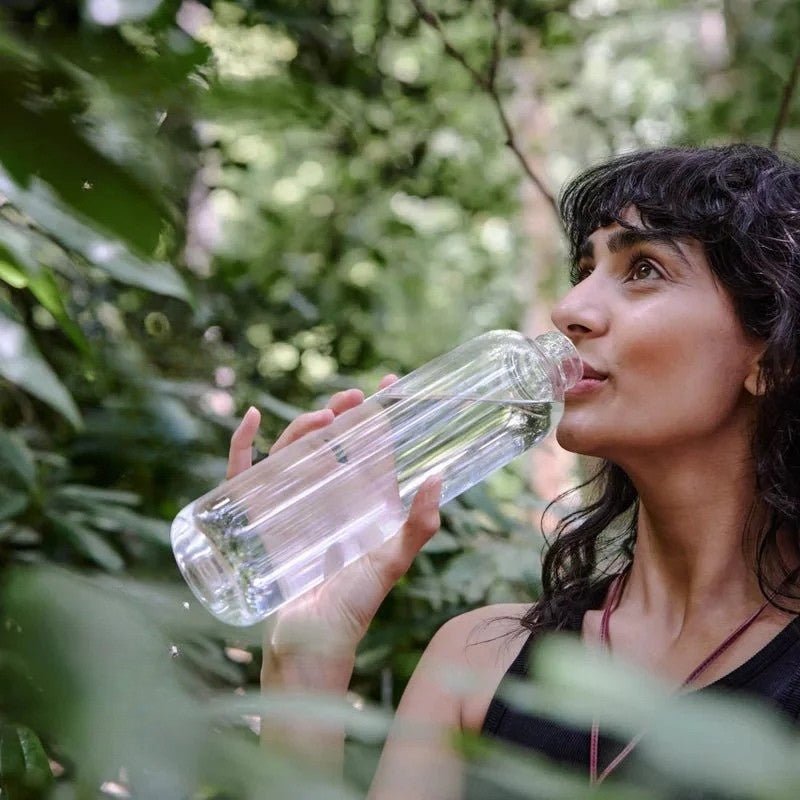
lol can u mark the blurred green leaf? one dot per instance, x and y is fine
(12, 503)
(88, 543)
(19, 246)
(22, 364)
(45, 289)
(24, 766)
(92, 495)
(510, 773)
(722, 744)
(123, 519)
(106, 253)
(12, 275)
(82, 178)
(16, 459)
(367, 724)
(155, 717)
(442, 542)
(282, 410)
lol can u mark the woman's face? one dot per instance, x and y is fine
(648, 313)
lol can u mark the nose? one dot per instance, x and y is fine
(581, 313)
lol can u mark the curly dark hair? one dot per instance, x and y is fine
(742, 203)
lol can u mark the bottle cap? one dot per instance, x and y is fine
(560, 350)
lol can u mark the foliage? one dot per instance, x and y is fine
(207, 207)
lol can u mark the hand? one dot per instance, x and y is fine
(336, 614)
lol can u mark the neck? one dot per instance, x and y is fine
(692, 550)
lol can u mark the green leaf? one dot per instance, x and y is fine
(17, 459)
(731, 746)
(122, 265)
(89, 544)
(22, 364)
(442, 542)
(45, 289)
(12, 503)
(114, 518)
(20, 535)
(25, 250)
(106, 253)
(12, 275)
(12, 763)
(368, 723)
(20, 245)
(24, 766)
(279, 408)
(506, 772)
(82, 178)
(92, 495)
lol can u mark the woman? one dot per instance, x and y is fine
(685, 308)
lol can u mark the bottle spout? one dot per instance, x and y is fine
(560, 350)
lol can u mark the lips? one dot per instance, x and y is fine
(591, 381)
(591, 372)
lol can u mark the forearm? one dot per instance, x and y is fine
(320, 743)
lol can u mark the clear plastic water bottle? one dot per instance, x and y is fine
(294, 519)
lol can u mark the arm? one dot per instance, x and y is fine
(419, 759)
(310, 674)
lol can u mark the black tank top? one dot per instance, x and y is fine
(772, 674)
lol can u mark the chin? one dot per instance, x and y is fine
(580, 442)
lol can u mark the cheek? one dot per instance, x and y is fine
(666, 387)
(683, 387)
(681, 354)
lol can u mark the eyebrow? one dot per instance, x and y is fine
(631, 237)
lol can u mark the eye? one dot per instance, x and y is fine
(642, 268)
(579, 273)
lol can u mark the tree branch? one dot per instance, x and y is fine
(429, 18)
(488, 84)
(494, 61)
(783, 111)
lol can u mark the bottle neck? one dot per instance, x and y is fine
(566, 363)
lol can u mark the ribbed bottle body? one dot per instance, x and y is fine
(290, 522)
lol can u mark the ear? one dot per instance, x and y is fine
(754, 382)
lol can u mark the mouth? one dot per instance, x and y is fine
(590, 372)
(592, 381)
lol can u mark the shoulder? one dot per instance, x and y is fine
(482, 635)
(476, 649)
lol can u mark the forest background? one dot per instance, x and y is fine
(206, 206)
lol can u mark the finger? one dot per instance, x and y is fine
(299, 427)
(240, 453)
(387, 380)
(395, 557)
(338, 404)
(423, 517)
(344, 401)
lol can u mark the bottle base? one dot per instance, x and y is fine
(210, 576)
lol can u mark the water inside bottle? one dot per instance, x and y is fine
(333, 507)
